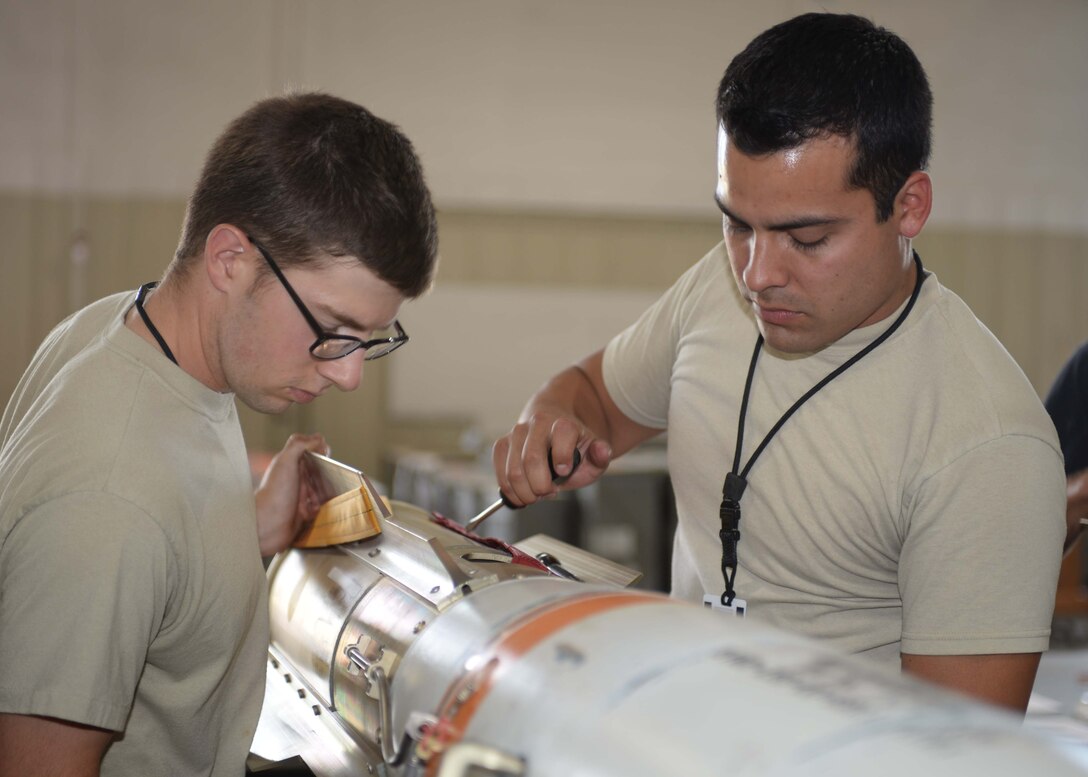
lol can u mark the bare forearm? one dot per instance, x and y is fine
(570, 394)
(579, 392)
(1002, 679)
(273, 533)
(32, 746)
(572, 411)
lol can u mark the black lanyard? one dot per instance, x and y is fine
(736, 480)
(140, 295)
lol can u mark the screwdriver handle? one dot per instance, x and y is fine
(556, 478)
(504, 502)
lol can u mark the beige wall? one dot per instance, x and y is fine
(569, 146)
(571, 105)
(1027, 287)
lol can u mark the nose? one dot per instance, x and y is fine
(766, 267)
(345, 373)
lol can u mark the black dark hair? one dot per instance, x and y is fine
(309, 174)
(825, 74)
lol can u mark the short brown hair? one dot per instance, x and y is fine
(308, 174)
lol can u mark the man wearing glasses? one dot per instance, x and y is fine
(133, 612)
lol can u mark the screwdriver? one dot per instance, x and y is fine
(502, 501)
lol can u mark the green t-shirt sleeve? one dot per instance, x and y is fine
(982, 553)
(84, 586)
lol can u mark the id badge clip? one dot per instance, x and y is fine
(714, 601)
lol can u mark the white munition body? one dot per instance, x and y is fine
(423, 652)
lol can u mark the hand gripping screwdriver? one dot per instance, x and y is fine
(502, 501)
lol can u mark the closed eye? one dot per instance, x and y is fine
(813, 245)
(734, 227)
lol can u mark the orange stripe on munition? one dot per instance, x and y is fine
(465, 696)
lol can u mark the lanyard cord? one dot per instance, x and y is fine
(736, 480)
(147, 320)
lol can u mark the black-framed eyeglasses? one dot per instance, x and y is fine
(328, 346)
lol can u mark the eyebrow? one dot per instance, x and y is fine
(783, 226)
(342, 319)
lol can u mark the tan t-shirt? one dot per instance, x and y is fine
(132, 594)
(914, 504)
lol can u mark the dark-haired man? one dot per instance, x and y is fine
(133, 606)
(900, 484)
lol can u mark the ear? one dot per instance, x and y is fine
(913, 203)
(226, 259)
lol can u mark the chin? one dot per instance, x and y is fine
(793, 342)
(264, 404)
(785, 342)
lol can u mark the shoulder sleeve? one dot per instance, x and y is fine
(1067, 404)
(980, 560)
(84, 582)
(638, 362)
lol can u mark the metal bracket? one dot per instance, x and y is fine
(379, 685)
(464, 759)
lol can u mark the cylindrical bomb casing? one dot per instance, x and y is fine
(594, 681)
(311, 597)
(335, 612)
(603, 683)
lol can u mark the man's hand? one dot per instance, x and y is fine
(572, 410)
(285, 500)
(521, 457)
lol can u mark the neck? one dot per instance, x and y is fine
(903, 288)
(182, 338)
